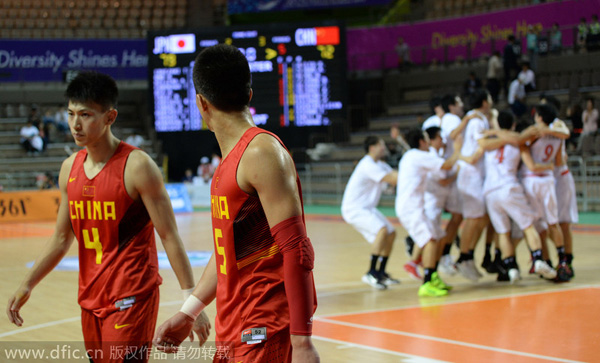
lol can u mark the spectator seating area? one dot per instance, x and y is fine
(27, 19)
(404, 100)
(20, 170)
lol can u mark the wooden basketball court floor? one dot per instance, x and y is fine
(531, 321)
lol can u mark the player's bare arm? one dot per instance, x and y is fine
(266, 169)
(143, 181)
(560, 160)
(391, 177)
(532, 165)
(461, 127)
(54, 250)
(558, 129)
(447, 181)
(172, 332)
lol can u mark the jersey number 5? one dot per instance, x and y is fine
(93, 244)
(221, 251)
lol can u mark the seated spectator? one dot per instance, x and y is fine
(516, 96)
(529, 77)
(188, 176)
(30, 139)
(46, 181)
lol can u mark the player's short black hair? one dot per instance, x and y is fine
(370, 141)
(547, 112)
(222, 75)
(506, 120)
(92, 86)
(447, 100)
(478, 97)
(435, 102)
(413, 137)
(522, 125)
(433, 132)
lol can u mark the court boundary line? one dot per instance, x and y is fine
(317, 317)
(371, 348)
(443, 303)
(448, 341)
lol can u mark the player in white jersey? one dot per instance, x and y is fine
(414, 167)
(452, 126)
(505, 198)
(437, 188)
(434, 120)
(470, 185)
(539, 186)
(566, 196)
(359, 209)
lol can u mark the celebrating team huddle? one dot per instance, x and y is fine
(510, 179)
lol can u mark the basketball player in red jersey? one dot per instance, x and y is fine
(261, 271)
(112, 198)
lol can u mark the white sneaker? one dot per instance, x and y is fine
(543, 269)
(474, 268)
(468, 270)
(374, 281)
(447, 266)
(514, 275)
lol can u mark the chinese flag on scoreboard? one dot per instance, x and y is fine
(328, 35)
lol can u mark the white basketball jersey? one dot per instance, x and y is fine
(474, 132)
(543, 151)
(449, 122)
(501, 166)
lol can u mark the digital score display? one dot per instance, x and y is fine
(298, 73)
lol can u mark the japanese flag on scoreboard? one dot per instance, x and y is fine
(182, 43)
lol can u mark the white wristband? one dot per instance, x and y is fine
(186, 293)
(192, 307)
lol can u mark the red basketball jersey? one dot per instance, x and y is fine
(117, 250)
(250, 289)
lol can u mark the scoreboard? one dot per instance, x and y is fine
(298, 73)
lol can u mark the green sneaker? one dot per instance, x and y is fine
(439, 283)
(428, 289)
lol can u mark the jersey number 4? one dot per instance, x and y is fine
(221, 251)
(93, 244)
